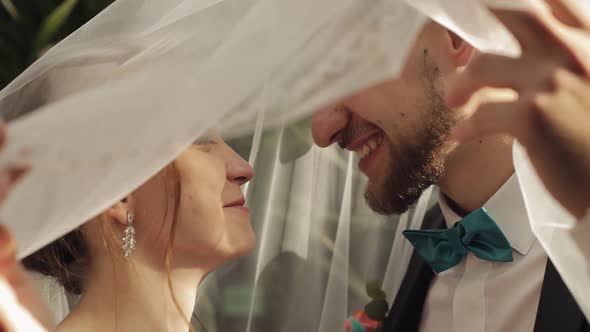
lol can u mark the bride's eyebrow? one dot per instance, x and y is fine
(206, 139)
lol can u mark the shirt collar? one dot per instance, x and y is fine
(508, 210)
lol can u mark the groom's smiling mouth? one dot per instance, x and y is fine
(367, 147)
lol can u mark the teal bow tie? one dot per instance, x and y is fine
(444, 248)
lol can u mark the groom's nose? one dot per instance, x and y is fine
(328, 124)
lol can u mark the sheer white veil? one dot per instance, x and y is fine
(181, 67)
(166, 71)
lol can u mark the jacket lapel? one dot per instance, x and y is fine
(406, 311)
(558, 311)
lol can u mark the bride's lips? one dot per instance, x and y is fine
(238, 204)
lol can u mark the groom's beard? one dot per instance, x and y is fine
(415, 166)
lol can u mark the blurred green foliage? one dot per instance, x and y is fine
(29, 27)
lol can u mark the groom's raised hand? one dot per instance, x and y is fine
(551, 116)
(11, 270)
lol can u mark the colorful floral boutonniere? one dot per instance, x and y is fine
(370, 319)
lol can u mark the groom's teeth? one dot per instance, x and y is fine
(372, 144)
(366, 150)
(369, 147)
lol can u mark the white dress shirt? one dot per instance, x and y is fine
(478, 295)
(565, 239)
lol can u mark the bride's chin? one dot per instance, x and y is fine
(245, 245)
(240, 235)
(238, 245)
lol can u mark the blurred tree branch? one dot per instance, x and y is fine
(10, 8)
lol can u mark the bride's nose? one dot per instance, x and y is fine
(239, 171)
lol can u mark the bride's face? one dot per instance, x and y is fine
(202, 192)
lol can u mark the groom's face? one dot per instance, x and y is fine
(399, 128)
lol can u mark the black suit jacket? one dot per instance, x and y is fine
(557, 312)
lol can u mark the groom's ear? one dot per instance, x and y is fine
(460, 51)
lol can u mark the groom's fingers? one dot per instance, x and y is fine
(11, 175)
(578, 87)
(502, 72)
(570, 13)
(9, 178)
(21, 283)
(16, 173)
(10, 268)
(485, 70)
(526, 26)
(542, 36)
(2, 134)
(545, 50)
(7, 247)
(534, 118)
(514, 118)
(7, 253)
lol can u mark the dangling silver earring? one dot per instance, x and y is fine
(129, 237)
